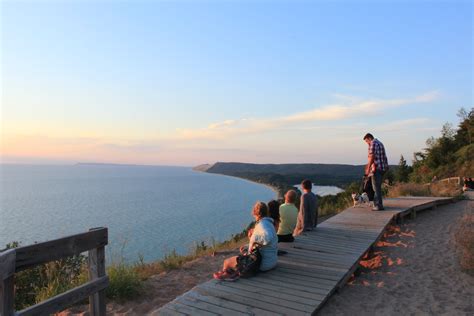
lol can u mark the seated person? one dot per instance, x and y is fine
(274, 213)
(308, 214)
(288, 215)
(264, 237)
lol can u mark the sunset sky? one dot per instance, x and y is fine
(191, 82)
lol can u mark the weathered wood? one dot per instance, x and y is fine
(208, 297)
(97, 305)
(245, 298)
(7, 270)
(7, 296)
(189, 310)
(196, 303)
(315, 265)
(7, 263)
(166, 311)
(284, 298)
(281, 288)
(29, 256)
(66, 299)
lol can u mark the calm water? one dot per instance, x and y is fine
(323, 190)
(148, 210)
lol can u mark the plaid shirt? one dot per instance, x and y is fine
(377, 149)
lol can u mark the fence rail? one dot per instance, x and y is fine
(23, 258)
(456, 180)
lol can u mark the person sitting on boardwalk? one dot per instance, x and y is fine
(263, 238)
(274, 213)
(288, 216)
(308, 214)
(376, 166)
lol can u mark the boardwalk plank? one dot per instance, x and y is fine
(194, 302)
(208, 297)
(248, 299)
(315, 265)
(184, 309)
(288, 299)
(292, 286)
(280, 287)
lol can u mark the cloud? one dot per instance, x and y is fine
(395, 126)
(350, 108)
(305, 136)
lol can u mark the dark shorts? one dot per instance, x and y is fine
(286, 238)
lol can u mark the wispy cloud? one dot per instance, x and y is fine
(349, 108)
(246, 139)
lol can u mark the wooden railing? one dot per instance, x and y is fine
(456, 180)
(23, 258)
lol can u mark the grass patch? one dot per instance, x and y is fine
(173, 260)
(408, 189)
(125, 282)
(416, 189)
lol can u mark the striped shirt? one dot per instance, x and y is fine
(377, 149)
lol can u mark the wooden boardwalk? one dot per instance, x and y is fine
(317, 264)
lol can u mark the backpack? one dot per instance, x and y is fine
(248, 264)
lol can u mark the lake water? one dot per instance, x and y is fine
(323, 190)
(148, 210)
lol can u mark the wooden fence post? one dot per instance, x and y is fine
(7, 272)
(97, 305)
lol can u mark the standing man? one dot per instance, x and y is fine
(376, 166)
(308, 214)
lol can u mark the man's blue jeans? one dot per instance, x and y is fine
(377, 186)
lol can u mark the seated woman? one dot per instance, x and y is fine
(264, 237)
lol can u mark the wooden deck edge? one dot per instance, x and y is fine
(343, 280)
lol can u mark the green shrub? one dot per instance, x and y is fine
(125, 282)
(47, 280)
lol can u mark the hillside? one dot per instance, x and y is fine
(286, 175)
(288, 169)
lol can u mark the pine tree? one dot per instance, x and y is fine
(403, 170)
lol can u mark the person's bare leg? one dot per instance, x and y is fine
(230, 263)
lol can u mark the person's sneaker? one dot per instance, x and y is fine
(218, 275)
(377, 208)
(229, 275)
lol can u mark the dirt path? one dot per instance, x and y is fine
(414, 272)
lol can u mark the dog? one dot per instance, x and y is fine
(361, 199)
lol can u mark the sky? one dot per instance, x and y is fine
(192, 82)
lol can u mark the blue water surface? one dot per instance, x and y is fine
(149, 210)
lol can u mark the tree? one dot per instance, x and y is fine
(403, 170)
(465, 133)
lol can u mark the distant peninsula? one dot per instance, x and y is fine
(284, 176)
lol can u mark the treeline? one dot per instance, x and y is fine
(285, 182)
(450, 155)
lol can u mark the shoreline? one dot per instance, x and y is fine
(273, 188)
